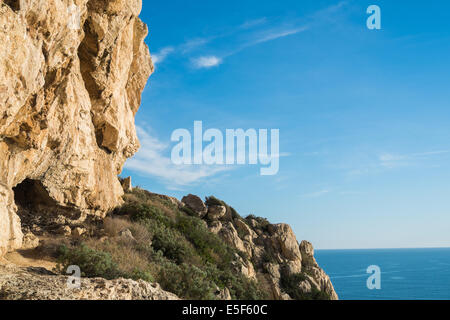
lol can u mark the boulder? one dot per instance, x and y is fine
(216, 212)
(307, 252)
(195, 204)
(126, 235)
(78, 231)
(64, 230)
(284, 241)
(30, 241)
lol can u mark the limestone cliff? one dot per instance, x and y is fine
(71, 77)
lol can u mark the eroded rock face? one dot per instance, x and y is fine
(68, 97)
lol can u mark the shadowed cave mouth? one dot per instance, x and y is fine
(13, 4)
(30, 194)
(38, 212)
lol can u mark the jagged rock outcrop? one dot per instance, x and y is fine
(195, 204)
(269, 251)
(39, 284)
(71, 77)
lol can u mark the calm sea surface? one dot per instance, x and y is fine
(405, 273)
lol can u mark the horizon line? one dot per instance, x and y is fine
(385, 248)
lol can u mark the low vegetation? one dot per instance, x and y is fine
(167, 245)
(290, 283)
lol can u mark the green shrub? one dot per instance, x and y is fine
(213, 201)
(290, 285)
(139, 274)
(235, 214)
(186, 281)
(189, 211)
(262, 223)
(172, 246)
(145, 212)
(208, 245)
(92, 263)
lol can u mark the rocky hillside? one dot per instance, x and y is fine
(190, 248)
(71, 76)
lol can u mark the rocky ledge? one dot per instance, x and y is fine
(40, 284)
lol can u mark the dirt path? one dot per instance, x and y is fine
(28, 258)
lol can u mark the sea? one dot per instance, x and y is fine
(399, 274)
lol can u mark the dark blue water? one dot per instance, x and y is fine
(405, 273)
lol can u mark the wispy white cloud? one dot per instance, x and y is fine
(253, 23)
(193, 44)
(206, 62)
(254, 32)
(161, 55)
(152, 161)
(276, 34)
(390, 160)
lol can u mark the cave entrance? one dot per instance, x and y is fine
(39, 213)
(33, 205)
(13, 4)
(31, 194)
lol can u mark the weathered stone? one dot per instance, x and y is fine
(30, 241)
(293, 267)
(31, 284)
(307, 252)
(10, 231)
(273, 270)
(78, 232)
(126, 235)
(244, 230)
(215, 227)
(216, 212)
(284, 241)
(195, 204)
(126, 185)
(223, 294)
(230, 236)
(305, 286)
(64, 230)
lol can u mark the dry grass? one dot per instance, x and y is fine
(49, 247)
(141, 233)
(140, 196)
(122, 252)
(114, 225)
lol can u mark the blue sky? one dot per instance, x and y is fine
(363, 114)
